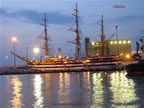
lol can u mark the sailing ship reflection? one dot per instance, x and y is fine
(16, 101)
(64, 88)
(37, 82)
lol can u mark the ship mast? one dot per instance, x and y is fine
(102, 36)
(77, 31)
(45, 39)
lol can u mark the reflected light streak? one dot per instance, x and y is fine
(123, 90)
(86, 76)
(88, 79)
(67, 80)
(97, 98)
(61, 88)
(16, 92)
(61, 84)
(64, 87)
(38, 91)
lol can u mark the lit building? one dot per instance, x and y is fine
(111, 47)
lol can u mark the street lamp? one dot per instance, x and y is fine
(116, 30)
(36, 50)
(14, 39)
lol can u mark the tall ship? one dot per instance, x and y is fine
(66, 64)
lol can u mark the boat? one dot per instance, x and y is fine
(137, 68)
(66, 64)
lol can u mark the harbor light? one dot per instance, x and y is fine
(115, 42)
(93, 43)
(36, 50)
(14, 39)
(111, 42)
(129, 41)
(124, 42)
(120, 42)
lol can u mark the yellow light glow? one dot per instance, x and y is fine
(59, 56)
(115, 42)
(124, 42)
(16, 100)
(129, 41)
(14, 39)
(121, 54)
(65, 62)
(93, 43)
(120, 42)
(36, 50)
(127, 56)
(88, 61)
(111, 42)
(123, 89)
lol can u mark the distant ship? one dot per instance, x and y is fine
(65, 64)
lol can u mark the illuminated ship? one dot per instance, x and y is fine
(65, 64)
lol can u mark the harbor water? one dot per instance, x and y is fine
(72, 90)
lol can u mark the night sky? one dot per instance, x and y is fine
(22, 18)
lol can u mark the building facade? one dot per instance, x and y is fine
(111, 47)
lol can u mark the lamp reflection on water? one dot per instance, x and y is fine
(97, 97)
(64, 88)
(16, 101)
(38, 103)
(123, 90)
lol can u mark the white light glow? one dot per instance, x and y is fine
(36, 50)
(129, 41)
(93, 43)
(111, 42)
(124, 42)
(14, 39)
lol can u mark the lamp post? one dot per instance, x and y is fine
(116, 30)
(14, 39)
(6, 57)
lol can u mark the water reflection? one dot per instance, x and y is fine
(123, 90)
(16, 101)
(97, 97)
(72, 90)
(64, 88)
(37, 82)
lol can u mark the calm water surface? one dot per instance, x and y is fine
(72, 90)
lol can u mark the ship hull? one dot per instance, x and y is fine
(135, 69)
(75, 67)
